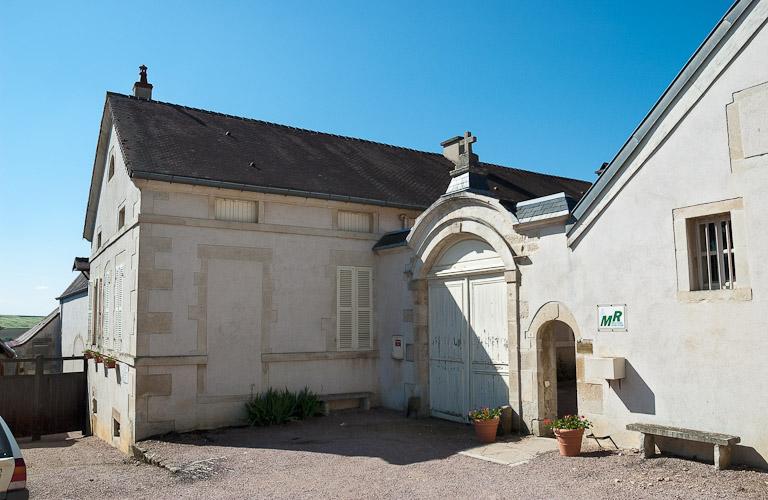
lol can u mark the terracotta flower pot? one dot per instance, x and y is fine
(486, 429)
(87, 355)
(98, 358)
(569, 441)
(110, 363)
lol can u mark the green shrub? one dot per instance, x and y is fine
(307, 404)
(279, 407)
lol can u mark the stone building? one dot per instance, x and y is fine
(232, 255)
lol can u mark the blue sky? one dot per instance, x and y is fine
(549, 86)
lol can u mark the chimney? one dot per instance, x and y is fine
(602, 168)
(142, 89)
(467, 174)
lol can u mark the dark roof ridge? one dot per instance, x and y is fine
(340, 136)
(275, 124)
(535, 172)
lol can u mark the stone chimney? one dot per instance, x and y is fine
(467, 174)
(459, 150)
(142, 89)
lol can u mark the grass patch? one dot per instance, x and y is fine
(12, 321)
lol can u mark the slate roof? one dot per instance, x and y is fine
(541, 208)
(79, 285)
(393, 239)
(175, 143)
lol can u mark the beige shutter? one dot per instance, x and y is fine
(355, 221)
(345, 306)
(354, 312)
(364, 309)
(236, 210)
(107, 334)
(117, 341)
(91, 298)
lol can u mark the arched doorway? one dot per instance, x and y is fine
(556, 352)
(468, 330)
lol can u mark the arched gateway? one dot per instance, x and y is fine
(468, 312)
(465, 286)
(468, 337)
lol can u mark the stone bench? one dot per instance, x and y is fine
(723, 443)
(363, 397)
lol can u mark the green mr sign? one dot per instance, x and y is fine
(612, 318)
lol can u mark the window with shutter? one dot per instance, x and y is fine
(91, 299)
(355, 221)
(106, 333)
(117, 339)
(345, 309)
(354, 313)
(236, 210)
(364, 309)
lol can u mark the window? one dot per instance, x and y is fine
(115, 427)
(713, 258)
(711, 251)
(98, 240)
(117, 334)
(111, 170)
(91, 299)
(355, 221)
(354, 308)
(236, 210)
(106, 333)
(121, 218)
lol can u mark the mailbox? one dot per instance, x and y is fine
(398, 347)
(598, 369)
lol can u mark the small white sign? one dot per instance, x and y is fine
(612, 318)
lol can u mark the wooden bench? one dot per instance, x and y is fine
(363, 397)
(723, 443)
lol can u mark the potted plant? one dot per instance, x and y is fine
(569, 430)
(486, 422)
(97, 356)
(88, 354)
(109, 362)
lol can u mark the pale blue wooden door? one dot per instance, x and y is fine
(489, 340)
(448, 349)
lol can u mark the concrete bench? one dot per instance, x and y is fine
(363, 397)
(723, 443)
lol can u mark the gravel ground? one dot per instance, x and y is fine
(375, 454)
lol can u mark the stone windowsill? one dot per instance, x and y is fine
(737, 295)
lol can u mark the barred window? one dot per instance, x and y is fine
(713, 259)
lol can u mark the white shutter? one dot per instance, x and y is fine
(90, 333)
(354, 307)
(364, 316)
(355, 221)
(117, 341)
(107, 336)
(345, 306)
(236, 210)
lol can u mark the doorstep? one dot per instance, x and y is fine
(512, 452)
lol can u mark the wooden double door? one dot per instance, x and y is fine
(468, 345)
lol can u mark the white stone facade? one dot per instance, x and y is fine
(217, 310)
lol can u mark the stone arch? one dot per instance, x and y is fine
(447, 222)
(459, 216)
(542, 397)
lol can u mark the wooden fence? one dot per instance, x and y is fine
(45, 403)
